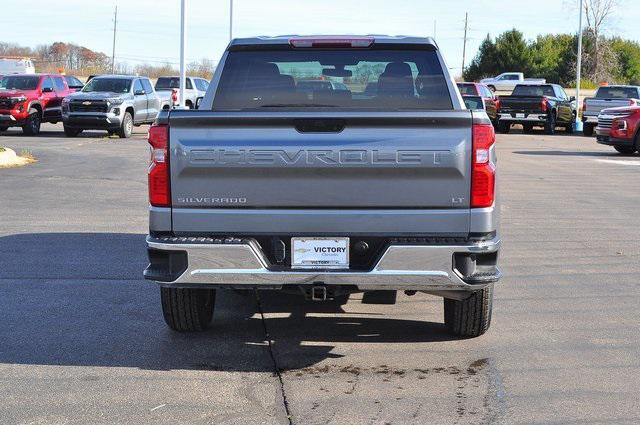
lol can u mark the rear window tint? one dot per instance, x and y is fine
(617, 93)
(536, 91)
(343, 79)
(467, 89)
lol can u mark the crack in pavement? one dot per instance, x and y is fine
(276, 369)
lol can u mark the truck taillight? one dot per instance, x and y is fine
(497, 102)
(483, 170)
(174, 96)
(544, 104)
(584, 105)
(159, 192)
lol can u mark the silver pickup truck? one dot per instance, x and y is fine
(607, 97)
(329, 192)
(115, 103)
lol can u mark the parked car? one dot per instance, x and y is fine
(16, 65)
(620, 128)
(266, 188)
(540, 105)
(168, 88)
(308, 86)
(28, 100)
(607, 97)
(74, 83)
(490, 102)
(115, 103)
(507, 81)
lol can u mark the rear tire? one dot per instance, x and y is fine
(32, 126)
(527, 128)
(187, 310)
(504, 127)
(3, 129)
(470, 317)
(71, 132)
(587, 130)
(625, 150)
(126, 127)
(569, 127)
(550, 125)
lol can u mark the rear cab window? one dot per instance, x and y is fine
(534, 91)
(617, 93)
(350, 79)
(170, 83)
(467, 89)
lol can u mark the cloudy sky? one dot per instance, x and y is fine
(148, 30)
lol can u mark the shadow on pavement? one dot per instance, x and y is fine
(87, 134)
(78, 299)
(569, 153)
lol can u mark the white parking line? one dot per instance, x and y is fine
(620, 161)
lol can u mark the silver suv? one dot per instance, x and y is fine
(114, 103)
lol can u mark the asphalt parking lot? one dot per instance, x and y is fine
(83, 339)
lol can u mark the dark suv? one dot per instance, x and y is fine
(27, 100)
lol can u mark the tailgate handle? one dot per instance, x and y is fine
(319, 125)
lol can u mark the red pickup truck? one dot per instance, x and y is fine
(620, 128)
(27, 100)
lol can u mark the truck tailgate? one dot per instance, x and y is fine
(595, 105)
(520, 104)
(316, 160)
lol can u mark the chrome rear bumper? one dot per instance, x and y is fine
(239, 263)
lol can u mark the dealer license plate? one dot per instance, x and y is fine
(320, 253)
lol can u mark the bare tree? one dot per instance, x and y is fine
(598, 15)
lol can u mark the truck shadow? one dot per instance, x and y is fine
(78, 299)
(569, 153)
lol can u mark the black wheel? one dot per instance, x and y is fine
(550, 125)
(187, 310)
(126, 127)
(504, 127)
(587, 129)
(32, 126)
(72, 132)
(625, 150)
(569, 129)
(3, 129)
(470, 317)
(527, 128)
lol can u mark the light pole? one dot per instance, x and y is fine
(183, 43)
(230, 20)
(113, 52)
(578, 69)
